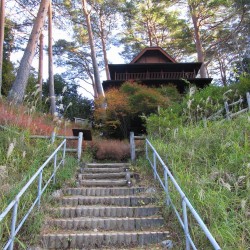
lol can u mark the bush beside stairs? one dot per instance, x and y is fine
(105, 211)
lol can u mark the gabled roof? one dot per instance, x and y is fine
(157, 50)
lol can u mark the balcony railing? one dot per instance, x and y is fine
(154, 75)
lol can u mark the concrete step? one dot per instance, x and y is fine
(107, 165)
(87, 240)
(124, 224)
(148, 247)
(106, 200)
(103, 183)
(102, 175)
(101, 211)
(104, 191)
(103, 170)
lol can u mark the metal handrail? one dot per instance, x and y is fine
(185, 202)
(14, 204)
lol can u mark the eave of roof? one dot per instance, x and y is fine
(154, 67)
(150, 49)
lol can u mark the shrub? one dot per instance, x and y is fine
(121, 109)
(111, 150)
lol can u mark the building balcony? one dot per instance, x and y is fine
(154, 75)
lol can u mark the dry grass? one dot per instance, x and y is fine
(111, 150)
(36, 123)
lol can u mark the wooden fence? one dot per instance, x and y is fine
(228, 109)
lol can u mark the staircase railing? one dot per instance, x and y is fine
(41, 186)
(154, 159)
(53, 136)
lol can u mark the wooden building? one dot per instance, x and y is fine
(154, 67)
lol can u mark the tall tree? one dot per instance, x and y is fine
(2, 21)
(104, 23)
(153, 23)
(51, 74)
(214, 24)
(98, 83)
(195, 13)
(40, 71)
(76, 60)
(17, 91)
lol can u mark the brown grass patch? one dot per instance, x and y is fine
(112, 150)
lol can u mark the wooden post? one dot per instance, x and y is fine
(132, 146)
(204, 119)
(79, 148)
(227, 110)
(248, 101)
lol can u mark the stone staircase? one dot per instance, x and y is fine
(105, 211)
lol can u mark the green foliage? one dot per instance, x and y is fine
(145, 25)
(143, 99)
(196, 105)
(8, 70)
(171, 92)
(8, 76)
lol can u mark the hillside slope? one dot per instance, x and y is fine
(212, 165)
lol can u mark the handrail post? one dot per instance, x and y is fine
(64, 152)
(53, 137)
(248, 101)
(79, 148)
(154, 166)
(13, 225)
(40, 179)
(166, 187)
(146, 149)
(55, 162)
(132, 146)
(185, 221)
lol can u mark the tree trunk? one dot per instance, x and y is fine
(2, 20)
(40, 72)
(198, 43)
(17, 91)
(51, 73)
(92, 48)
(104, 48)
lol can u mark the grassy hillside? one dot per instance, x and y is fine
(20, 158)
(211, 163)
